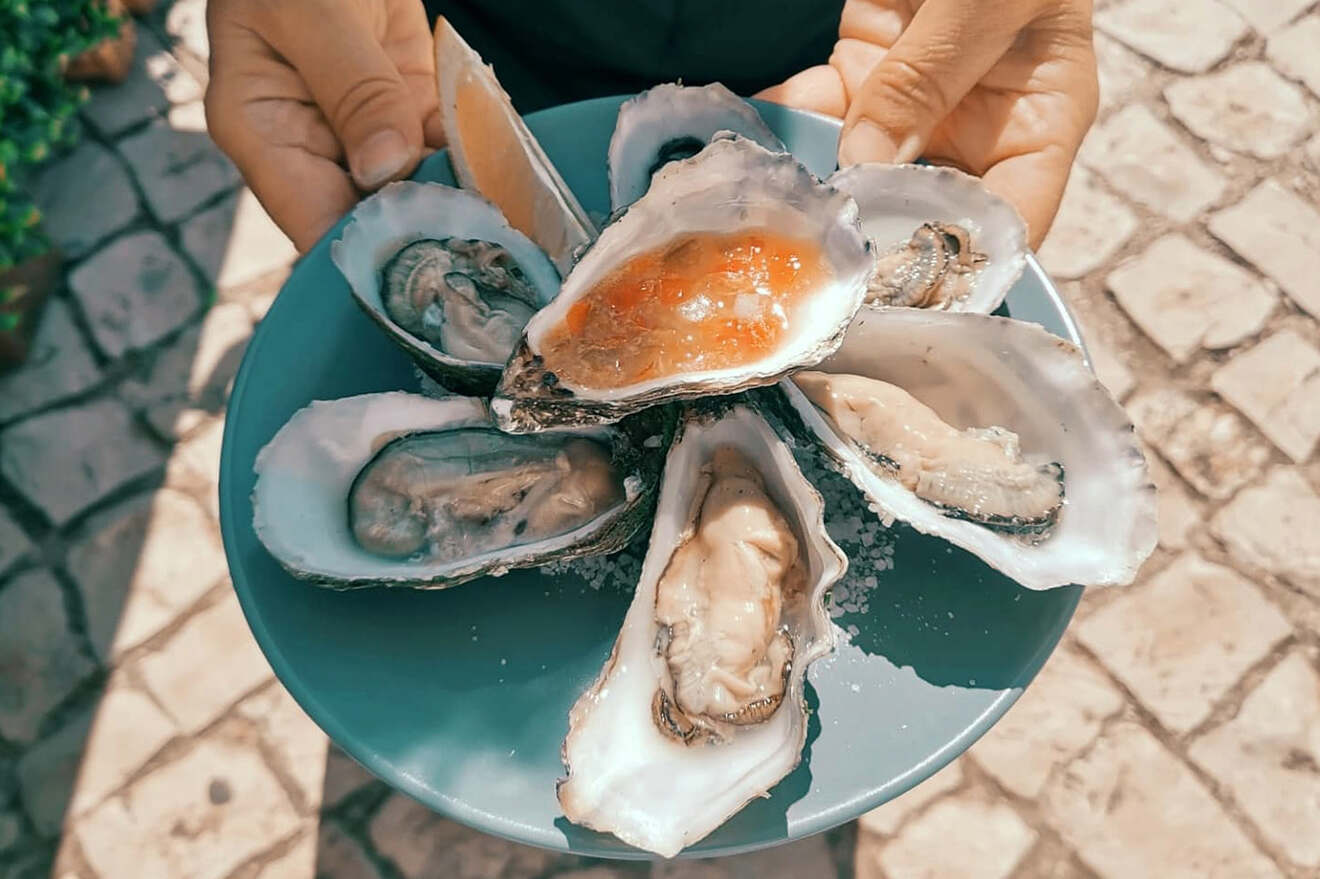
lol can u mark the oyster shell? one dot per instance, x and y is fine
(494, 153)
(445, 277)
(700, 706)
(670, 122)
(992, 416)
(732, 186)
(942, 240)
(398, 489)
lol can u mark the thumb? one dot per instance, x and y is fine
(942, 54)
(358, 88)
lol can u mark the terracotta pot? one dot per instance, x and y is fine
(24, 290)
(112, 59)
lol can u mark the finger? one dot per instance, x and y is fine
(357, 86)
(276, 136)
(854, 60)
(304, 191)
(818, 89)
(409, 44)
(879, 22)
(947, 48)
(1033, 183)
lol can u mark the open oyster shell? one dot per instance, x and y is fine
(671, 122)
(979, 372)
(493, 152)
(626, 775)
(306, 472)
(936, 226)
(732, 184)
(404, 212)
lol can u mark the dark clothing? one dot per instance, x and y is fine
(553, 51)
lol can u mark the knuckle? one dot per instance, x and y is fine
(913, 84)
(365, 96)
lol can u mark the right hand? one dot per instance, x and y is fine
(320, 101)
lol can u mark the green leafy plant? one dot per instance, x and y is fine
(37, 106)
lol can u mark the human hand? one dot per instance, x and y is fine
(317, 101)
(1005, 89)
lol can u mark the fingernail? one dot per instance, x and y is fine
(381, 158)
(868, 142)
(865, 142)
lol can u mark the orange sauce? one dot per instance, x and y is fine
(701, 302)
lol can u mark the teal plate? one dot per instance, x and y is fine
(460, 698)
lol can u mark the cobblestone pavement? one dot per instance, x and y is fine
(1176, 732)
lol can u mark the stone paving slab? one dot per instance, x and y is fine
(1187, 298)
(1187, 35)
(218, 804)
(178, 171)
(1279, 232)
(84, 198)
(141, 563)
(14, 543)
(1145, 160)
(1055, 720)
(1132, 809)
(1272, 527)
(47, 772)
(206, 666)
(1181, 639)
(991, 840)
(236, 241)
(59, 366)
(1267, 16)
(1247, 108)
(1276, 384)
(41, 658)
(1292, 51)
(1269, 757)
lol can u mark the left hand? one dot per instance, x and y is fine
(1005, 89)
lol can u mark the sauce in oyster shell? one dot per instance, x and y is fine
(701, 302)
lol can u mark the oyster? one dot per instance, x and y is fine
(670, 122)
(700, 707)
(494, 153)
(990, 433)
(736, 267)
(399, 489)
(977, 474)
(446, 277)
(942, 240)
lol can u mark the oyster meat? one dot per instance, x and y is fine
(670, 122)
(700, 708)
(444, 275)
(399, 489)
(466, 297)
(735, 268)
(719, 604)
(990, 433)
(942, 240)
(454, 494)
(935, 268)
(977, 474)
